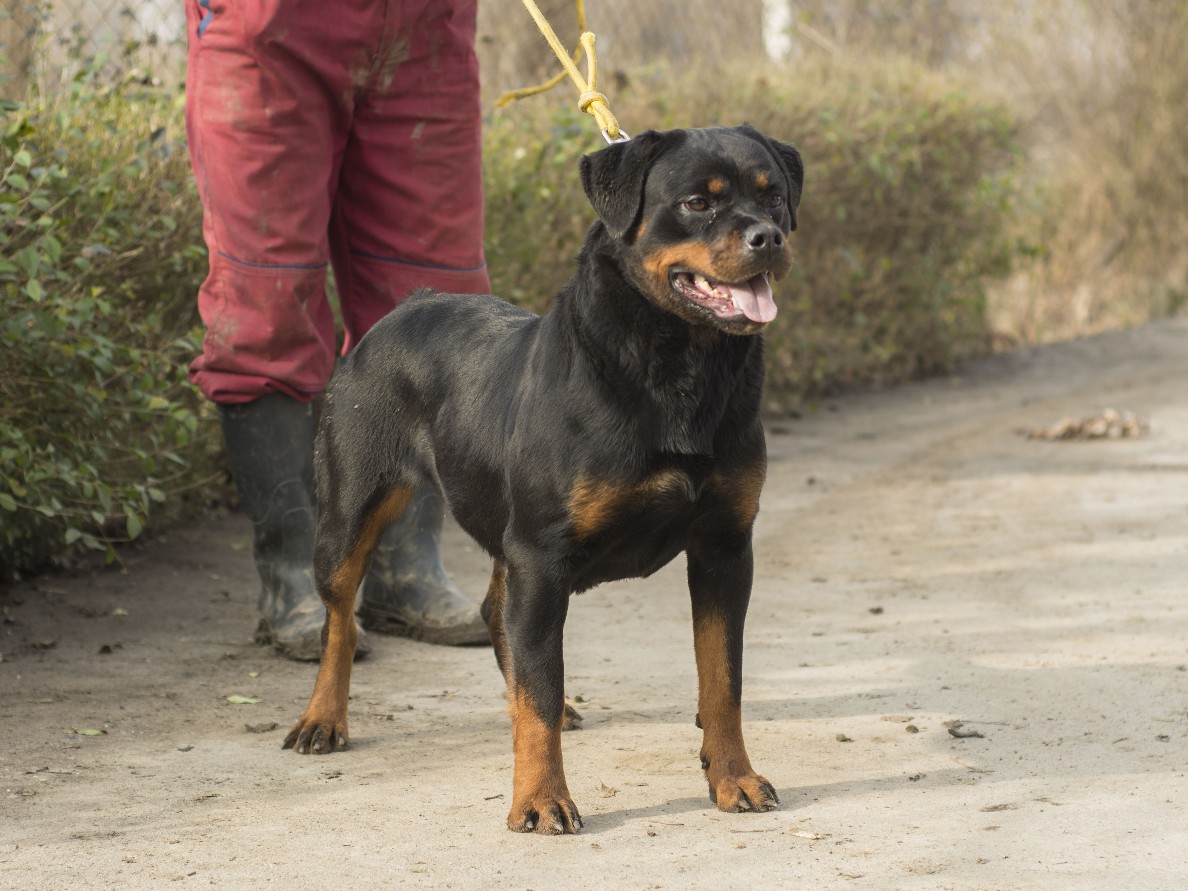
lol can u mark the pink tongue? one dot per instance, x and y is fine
(753, 298)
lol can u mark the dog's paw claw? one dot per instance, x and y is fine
(769, 790)
(571, 718)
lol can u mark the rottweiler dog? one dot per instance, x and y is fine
(590, 444)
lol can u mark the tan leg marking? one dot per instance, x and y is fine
(322, 728)
(493, 612)
(540, 796)
(741, 490)
(733, 783)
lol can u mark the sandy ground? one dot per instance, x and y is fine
(918, 562)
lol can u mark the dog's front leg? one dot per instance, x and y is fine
(720, 587)
(533, 617)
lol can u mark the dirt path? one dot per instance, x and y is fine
(918, 563)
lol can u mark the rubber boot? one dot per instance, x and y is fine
(407, 592)
(270, 446)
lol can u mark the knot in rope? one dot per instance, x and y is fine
(590, 100)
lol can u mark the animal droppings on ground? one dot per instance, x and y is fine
(960, 731)
(1109, 424)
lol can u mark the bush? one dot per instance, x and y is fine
(101, 255)
(908, 189)
(536, 212)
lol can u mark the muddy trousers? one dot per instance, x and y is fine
(327, 134)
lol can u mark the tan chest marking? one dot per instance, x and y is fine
(741, 491)
(594, 504)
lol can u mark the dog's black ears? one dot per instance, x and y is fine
(791, 163)
(614, 178)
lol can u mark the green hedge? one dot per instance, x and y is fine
(101, 254)
(908, 186)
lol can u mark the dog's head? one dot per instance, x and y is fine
(703, 218)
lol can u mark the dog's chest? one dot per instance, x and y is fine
(600, 508)
(631, 529)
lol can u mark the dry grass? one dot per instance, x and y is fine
(1105, 102)
(1101, 87)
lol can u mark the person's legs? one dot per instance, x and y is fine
(268, 112)
(266, 135)
(409, 214)
(409, 208)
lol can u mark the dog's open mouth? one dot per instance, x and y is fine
(751, 299)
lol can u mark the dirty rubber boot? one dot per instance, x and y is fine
(407, 591)
(270, 446)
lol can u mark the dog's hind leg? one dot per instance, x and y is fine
(346, 538)
(492, 613)
(720, 587)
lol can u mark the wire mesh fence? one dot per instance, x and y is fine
(50, 41)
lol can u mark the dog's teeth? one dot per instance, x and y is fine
(707, 287)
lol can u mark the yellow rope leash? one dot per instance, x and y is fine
(524, 92)
(590, 101)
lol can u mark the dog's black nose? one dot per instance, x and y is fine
(764, 237)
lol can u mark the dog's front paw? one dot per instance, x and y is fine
(546, 814)
(318, 736)
(749, 792)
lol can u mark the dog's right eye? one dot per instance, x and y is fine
(697, 205)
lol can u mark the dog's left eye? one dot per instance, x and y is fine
(775, 200)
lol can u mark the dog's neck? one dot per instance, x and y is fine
(682, 378)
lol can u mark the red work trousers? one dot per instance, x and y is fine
(345, 133)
